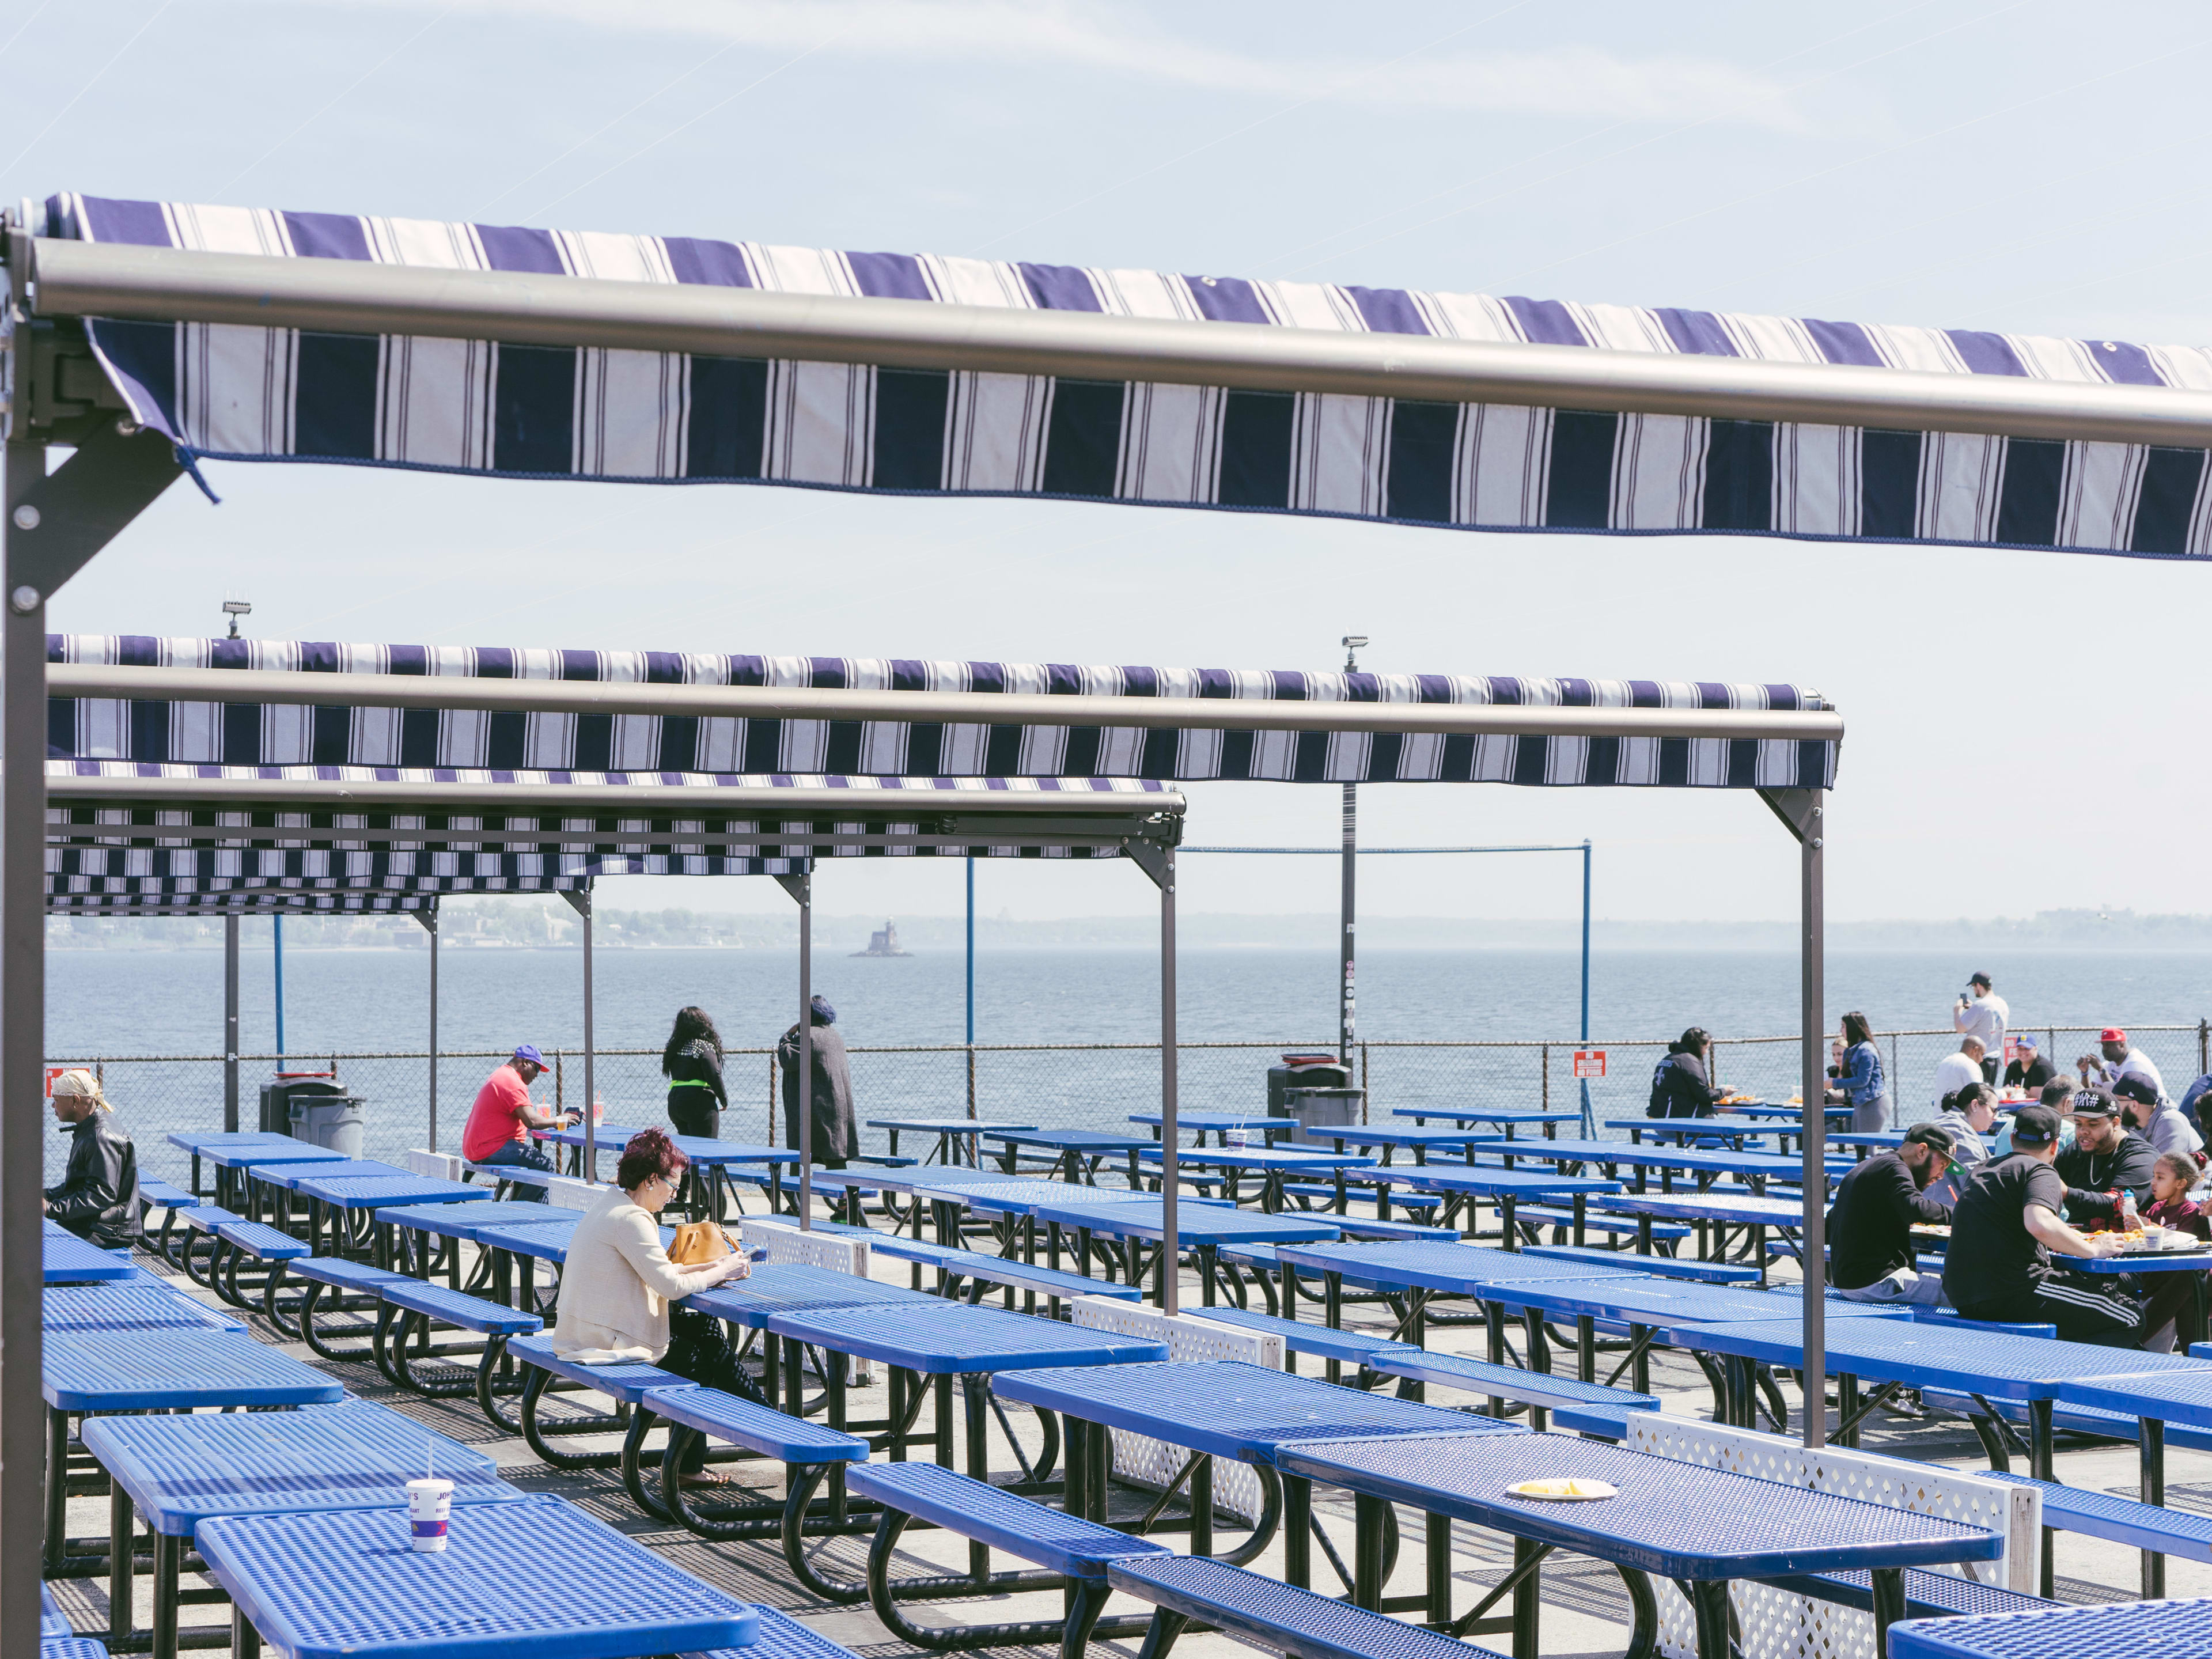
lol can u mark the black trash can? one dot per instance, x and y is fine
(1315, 1090)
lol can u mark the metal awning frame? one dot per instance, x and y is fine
(58, 520)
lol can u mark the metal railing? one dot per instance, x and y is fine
(1094, 1085)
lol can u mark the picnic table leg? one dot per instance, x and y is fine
(244, 1640)
(168, 1556)
(1436, 1535)
(56, 1490)
(1367, 1553)
(2152, 1452)
(1206, 1259)
(1201, 1505)
(943, 1386)
(1297, 1531)
(1332, 1300)
(1888, 1605)
(2042, 1444)
(1506, 1220)
(1586, 1348)
(1708, 1600)
(972, 1387)
(120, 1566)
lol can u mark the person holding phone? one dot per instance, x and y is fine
(500, 1123)
(1981, 1012)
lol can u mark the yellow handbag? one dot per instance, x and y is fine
(699, 1242)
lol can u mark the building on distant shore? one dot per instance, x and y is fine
(884, 942)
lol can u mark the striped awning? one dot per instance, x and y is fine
(245, 393)
(157, 898)
(1284, 725)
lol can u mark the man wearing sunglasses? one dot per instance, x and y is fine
(500, 1123)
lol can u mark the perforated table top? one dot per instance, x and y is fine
(1671, 1518)
(783, 1286)
(2126, 1628)
(120, 1371)
(469, 1220)
(356, 1456)
(1230, 1409)
(762, 1428)
(539, 1577)
(1988, 1363)
(1465, 1268)
(128, 1308)
(1017, 1194)
(291, 1173)
(1072, 1141)
(1687, 1159)
(1494, 1181)
(629, 1380)
(1263, 1157)
(943, 1125)
(944, 1337)
(1486, 1117)
(701, 1149)
(1735, 1208)
(72, 1261)
(608, 1137)
(781, 1638)
(202, 1141)
(2167, 1396)
(543, 1241)
(278, 1149)
(1217, 1120)
(1145, 1217)
(376, 1192)
(1358, 1134)
(1649, 1299)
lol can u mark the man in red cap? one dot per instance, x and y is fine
(2117, 1058)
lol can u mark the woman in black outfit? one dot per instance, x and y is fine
(1681, 1087)
(692, 1063)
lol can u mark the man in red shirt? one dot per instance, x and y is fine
(501, 1121)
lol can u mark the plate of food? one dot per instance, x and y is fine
(1565, 1489)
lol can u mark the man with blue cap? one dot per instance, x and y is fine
(500, 1123)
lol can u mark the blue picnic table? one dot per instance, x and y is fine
(1272, 1165)
(127, 1307)
(202, 1142)
(1221, 1409)
(1701, 1527)
(1200, 1227)
(786, 1287)
(350, 1204)
(950, 1133)
(179, 1471)
(1220, 1124)
(1458, 1183)
(69, 1259)
(1078, 1152)
(1706, 1165)
(414, 1225)
(1508, 1121)
(88, 1373)
(1417, 1141)
(266, 1189)
(1687, 1128)
(2126, 1631)
(594, 1593)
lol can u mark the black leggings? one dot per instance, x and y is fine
(699, 1352)
(693, 1112)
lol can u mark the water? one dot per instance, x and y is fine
(140, 1002)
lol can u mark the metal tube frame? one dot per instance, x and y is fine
(1347, 915)
(580, 901)
(429, 918)
(76, 279)
(1804, 812)
(230, 1043)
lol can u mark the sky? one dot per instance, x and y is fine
(2025, 728)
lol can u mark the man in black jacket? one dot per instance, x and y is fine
(2106, 1157)
(1869, 1230)
(98, 1198)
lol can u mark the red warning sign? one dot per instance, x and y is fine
(1590, 1062)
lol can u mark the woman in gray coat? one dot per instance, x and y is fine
(834, 1136)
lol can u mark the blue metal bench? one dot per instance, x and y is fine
(200, 1222)
(1927, 1594)
(1051, 1282)
(1598, 1422)
(1532, 1218)
(1339, 1348)
(763, 1432)
(411, 1308)
(1352, 1226)
(1665, 1267)
(162, 1196)
(2116, 1520)
(1266, 1268)
(1074, 1554)
(1272, 1615)
(626, 1384)
(1539, 1391)
(1960, 1321)
(270, 1246)
(325, 1283)
(2081, 1419)
(1400, 1198)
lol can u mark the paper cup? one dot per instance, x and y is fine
(429, 1504)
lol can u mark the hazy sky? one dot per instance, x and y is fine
(2025, 728)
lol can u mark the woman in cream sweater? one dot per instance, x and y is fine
(618, 1280)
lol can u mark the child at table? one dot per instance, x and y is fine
(2174, 1173)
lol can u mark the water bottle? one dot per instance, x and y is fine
(2130, 1221)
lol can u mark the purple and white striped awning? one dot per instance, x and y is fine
(688, 750)
(255, 393)
(152, 897)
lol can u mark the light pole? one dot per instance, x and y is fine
(1347, 1002)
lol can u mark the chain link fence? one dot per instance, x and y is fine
(1047, 1084)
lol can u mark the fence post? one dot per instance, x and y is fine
(1366, 1099)
(1544, 1095)
(2203, 1048)
(770, 1140)
(557, 1095)
(971, 1082)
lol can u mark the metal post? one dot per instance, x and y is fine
(971, 987)
(1814, 1072)
(230, 1023)
(580, 901)
(1589, 1126)
(22, 1051)
(1347, 911)
(1171, 1236)
(807, 1053)
(430, 921)
(280, 987)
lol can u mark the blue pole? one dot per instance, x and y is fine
(280, 986)
(1589, 1125)
(971, 947)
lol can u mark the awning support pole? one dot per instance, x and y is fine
(429, 920)
(580, 900)
(56, 522)
(230, 1024)
(1346, 1004)
(801, 887)
(1156, 859)
(1803, 813)
(1589, 1126)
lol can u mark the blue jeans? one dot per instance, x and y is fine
(520, 1154)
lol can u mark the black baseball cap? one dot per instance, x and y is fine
(2134, 1089)
(2093, 1100)
(1982, 980)
(1931, 1135)
(2034, 1126)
